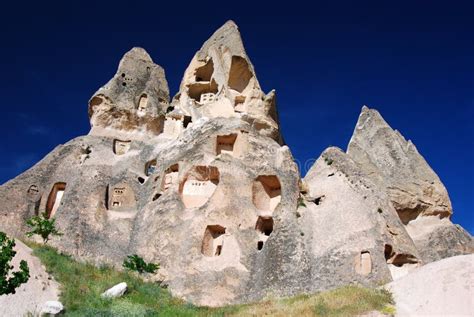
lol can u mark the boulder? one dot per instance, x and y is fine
(52, 308)
(115, 291)
(441, 288)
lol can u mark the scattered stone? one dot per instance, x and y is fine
(116, 291)
(52, 308)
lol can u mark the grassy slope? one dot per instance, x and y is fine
(82, 285)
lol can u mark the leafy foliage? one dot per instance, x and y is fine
(9, 281)
(43, 227)
(137, 264)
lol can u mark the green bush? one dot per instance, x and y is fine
(301, 202)
(43, 227)
(9, 281)
(136, 263)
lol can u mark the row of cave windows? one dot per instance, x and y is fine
(239, 73)
(266, 192)
(213, 241)
(205, 88)
(224, 143)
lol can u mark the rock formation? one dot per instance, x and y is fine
(205, 186)
(413, 188)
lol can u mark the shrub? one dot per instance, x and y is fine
(301, 202)
(137, 264)
(10, 280)
(43, 227)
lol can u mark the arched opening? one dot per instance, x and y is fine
(170, 177)
(121, 147)
(225, 143)
(150, 167)
(399, 264)
(199, 185)
(213, 240)
(96, 101)
(54, 199)
(142, 103)
(388, 251)
(209, 89)
(266, 193)
(239, 74)
(264, 225)
(121, 198)
(363, 263)
(204, 73)
(187, 121)
(239, 102)
(33, 190)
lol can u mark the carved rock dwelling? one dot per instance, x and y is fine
(204, 185)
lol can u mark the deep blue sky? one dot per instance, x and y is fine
(411, 60)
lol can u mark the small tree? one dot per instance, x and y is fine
(43, 227)
(137, 264)
(9, 281)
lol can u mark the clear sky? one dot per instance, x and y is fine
(411, 60)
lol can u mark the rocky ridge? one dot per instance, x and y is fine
(204, 185)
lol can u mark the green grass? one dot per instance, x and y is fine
(82, 284)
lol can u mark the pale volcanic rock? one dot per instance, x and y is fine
(133, 103)
(221, 81)
(115, 291)
(205, 186)
(33, 296)
(414, 189)
(352, 225)
(441, 288)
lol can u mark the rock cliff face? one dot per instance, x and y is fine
(205, 186)
(413, 188)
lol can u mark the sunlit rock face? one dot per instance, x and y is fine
(133, 103)
(205, 186)
(414, 190)
(220, 81)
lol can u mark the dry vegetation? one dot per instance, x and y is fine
(83, 283)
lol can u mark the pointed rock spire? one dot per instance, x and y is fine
(220, 81)
(134, 100)
(414, 188)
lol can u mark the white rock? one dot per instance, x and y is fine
(116, 291)
(52, 307)
(442, 288)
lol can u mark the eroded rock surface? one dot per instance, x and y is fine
(205, 186)
(133, 103)
(442, 288)
(31, 297)
(413, 188)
